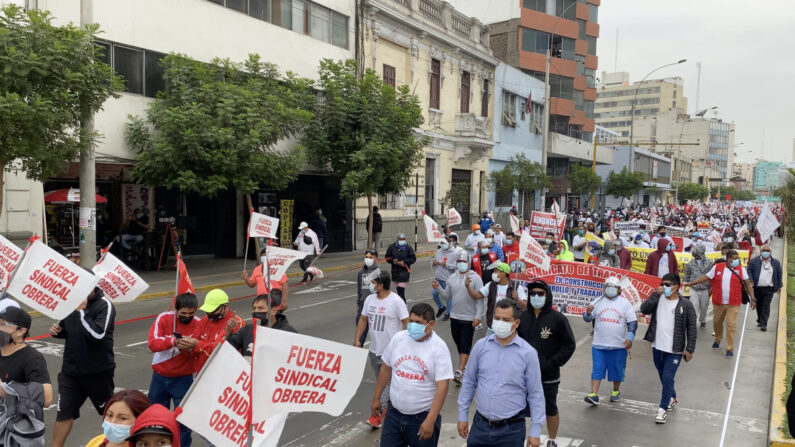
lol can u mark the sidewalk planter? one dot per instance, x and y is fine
(778, 414)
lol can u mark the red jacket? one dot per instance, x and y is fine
(160, 416)
(511, 252)
(735, 288)
(476, 262)
(626, 258)
(653, 262)
(211, 334)
(169, 361)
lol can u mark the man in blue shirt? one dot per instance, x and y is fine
(486, 222)
(505, 370)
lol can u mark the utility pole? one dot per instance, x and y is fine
(545, 140)
(88, 194)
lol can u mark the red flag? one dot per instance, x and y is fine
(185, 285)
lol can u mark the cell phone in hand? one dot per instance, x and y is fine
(177, 335)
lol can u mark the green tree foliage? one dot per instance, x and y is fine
(692, 191)
(456, 197)
(522, 175)
(787, 195)
(215, 127)
(363, 132)
(50, 77)
(735, 193)
(583, 180)
(624, 184)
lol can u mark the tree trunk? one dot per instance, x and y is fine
(256, 239)
(369, 221)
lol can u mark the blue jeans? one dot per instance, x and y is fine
(163, 390)
(666, 364)
(401, 430)
(482, 434)
(366, 328)
(438, 299)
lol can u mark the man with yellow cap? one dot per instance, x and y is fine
(219, 322)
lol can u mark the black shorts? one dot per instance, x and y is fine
(551, 397)
(463, 333)
(73, 391)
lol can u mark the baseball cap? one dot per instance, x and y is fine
(612, 281)
(17, 316)
(476, 227)
(497, 226)
(503, 267)
(151, 429)
(302, 225)
(213, 300)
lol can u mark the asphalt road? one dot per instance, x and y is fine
(326, 309)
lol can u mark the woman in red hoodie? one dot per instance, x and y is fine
(155, 427)
(664, 255)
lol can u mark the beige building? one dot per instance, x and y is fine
(614, 96)
(443, 56)
(743, 175)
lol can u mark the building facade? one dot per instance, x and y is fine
(656, 170)
(443, 56)
(766, 175)
(743, 175)
(615, 96)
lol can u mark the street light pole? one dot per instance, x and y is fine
(632, 111)
(88, 206)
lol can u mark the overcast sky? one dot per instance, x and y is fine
(746, 54)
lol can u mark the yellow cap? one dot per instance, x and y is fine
(213, 300)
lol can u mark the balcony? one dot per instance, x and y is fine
(473, 137)
(578, 150)
(444, 16)
(471, 125)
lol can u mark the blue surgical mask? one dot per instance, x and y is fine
(115, 433)
(371, 286)
(668, 248)
(735, 263)
(611, 291)
(509, 242)
(538, 301)
(402, 242)
(416, 330)
(263, 260)
(462, 267)
(484, 251)
(444, 247)
(611, 252)
(668, 291)
(579, 232)
(765, 254)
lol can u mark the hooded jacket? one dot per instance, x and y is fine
(365, 276)
(403, 253)
(565, 254)
(653, 262)
(625, 258)
(88, 334)
(697, 268)
(608, 259)
(550, 335)
(156, 415)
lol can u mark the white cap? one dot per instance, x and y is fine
(612, 281)
(302, 225)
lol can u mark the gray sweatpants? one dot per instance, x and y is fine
(376, 362)
(700, 300)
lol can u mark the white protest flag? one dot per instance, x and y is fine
(9, 258)
(556, 209)
(453, 217)
(515, 226)
(629, 292)
(299, 373)
(767, 223)
(432, 232)
(531, 251)
(119, 282)
(50, 283)
(260, 225)
(279, 259)
(217, 405)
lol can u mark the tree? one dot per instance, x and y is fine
(692, 191)
(363, 132)
(51, 77)
(583, 180)
(455, 197)
(736, 194)
(787, 195)
(215, 126)
(522, 175)
(624, 184)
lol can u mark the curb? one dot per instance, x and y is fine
(777, 409)
(221, 285)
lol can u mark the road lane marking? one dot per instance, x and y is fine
(136, 344)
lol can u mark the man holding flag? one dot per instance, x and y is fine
(219, 322)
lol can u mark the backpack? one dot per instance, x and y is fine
(20, 425)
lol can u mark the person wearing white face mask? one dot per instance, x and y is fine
(466, 310)
(493, 246)
(368, 271)
(501, 287)
(471, 242)
(507, 366)
(549, 332)
(401, 256)
(443, 265)
(614, 331)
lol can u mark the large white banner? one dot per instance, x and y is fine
(767, 223)
(260, 225)
(298, 373)
(279, 259)
(217, 404)
(9, 258)
(50, 283)
(432, 229)
(531, 251)
(453, 217)
(119, 282)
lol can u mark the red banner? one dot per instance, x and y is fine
(542, 223)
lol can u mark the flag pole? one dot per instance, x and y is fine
(267, 268)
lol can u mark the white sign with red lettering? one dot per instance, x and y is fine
(531, 251)
(279, 259)
(629, 292)
(260, 225)
(9, 258)
(515, 226)
(432, 229)
(50, 283)
(217, 404)
(453, 217)
(119, 282)
(298, 373)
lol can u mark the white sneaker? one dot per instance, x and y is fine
(662, 416)
(672, 404)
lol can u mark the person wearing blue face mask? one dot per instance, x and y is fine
(662, 260)
(728, 280)
(549, 332)
(672, 333)
(765, 273)
(121, 411)
(418, 387)
(401, 256)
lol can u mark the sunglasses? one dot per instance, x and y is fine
(667, 284)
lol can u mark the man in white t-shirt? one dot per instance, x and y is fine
(578, 245)
(614, 331)
(418, 364)
(501, 287)
(385, 315)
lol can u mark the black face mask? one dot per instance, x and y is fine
(5, 339)
(261, 316)
(184, 320)
(662, 234)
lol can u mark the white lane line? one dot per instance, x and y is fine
(322, 428)
(321, 302)
(136, 344)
